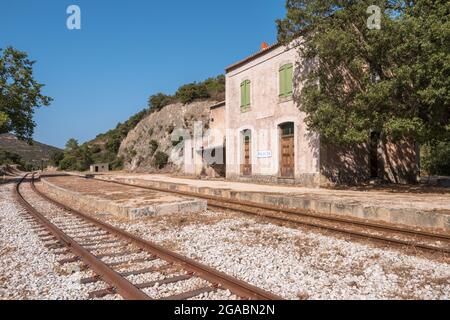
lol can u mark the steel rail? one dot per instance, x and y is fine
(359, 234)
(220, 202)
(219, 279)
(300, 212)
(125, 288)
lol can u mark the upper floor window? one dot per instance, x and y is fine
(286, 76)
(245, 95)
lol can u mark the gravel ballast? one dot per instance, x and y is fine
(292, 262)
(296, 263)
(28, 270)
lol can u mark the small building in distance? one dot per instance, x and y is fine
(99, 167)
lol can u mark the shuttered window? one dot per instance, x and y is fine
(286, 76)
(245, 95)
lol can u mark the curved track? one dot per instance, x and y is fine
(96, 244)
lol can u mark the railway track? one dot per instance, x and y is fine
(113, 255)
(387, 234)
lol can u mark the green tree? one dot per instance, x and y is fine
(56, 157)
(436, 158)
(20, 94)
(394, 81)
(72, 145)
(113, 143)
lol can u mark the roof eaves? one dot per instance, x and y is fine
(253, 57)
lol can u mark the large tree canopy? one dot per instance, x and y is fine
(393, 81)
(20, 94)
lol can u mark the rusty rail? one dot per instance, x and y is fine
(125, 288)
(218, 279)
(273, 212)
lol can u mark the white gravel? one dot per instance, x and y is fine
(291, 262)
(70, 224)
(28, 270)
(296, 263)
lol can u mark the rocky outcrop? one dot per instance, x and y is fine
(153, 135)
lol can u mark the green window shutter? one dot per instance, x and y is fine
(282, 77)
(286, 75)
(243, 94)
(289, 78)
(247, 93)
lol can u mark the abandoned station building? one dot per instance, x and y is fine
(261, 134)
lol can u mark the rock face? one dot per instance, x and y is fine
(138, 149)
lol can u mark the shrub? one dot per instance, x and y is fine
(96, 148)
(436, 158)
(216, 87)
(117, 164)
(9, 158)
(132, 153)
(30, 167)
(191, 92)
(158, 101)
(68, 163)
(153, 146)
(161, 159)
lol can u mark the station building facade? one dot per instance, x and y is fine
(263, 134)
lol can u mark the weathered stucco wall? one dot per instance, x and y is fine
(400, 161)
(344, 165)
(217, 127)
(267, 112)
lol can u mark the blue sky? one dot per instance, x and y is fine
(127, 50)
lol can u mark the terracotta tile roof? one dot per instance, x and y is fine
(253, 57)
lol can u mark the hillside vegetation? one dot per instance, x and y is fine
(29, 156)
(106, 147)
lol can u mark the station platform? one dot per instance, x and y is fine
(426, 210)
(97, 197)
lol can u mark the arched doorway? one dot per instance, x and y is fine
(246, 165)
(287, 149)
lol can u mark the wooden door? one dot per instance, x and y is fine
(287, 151)
(287, 156)
(247, 165)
